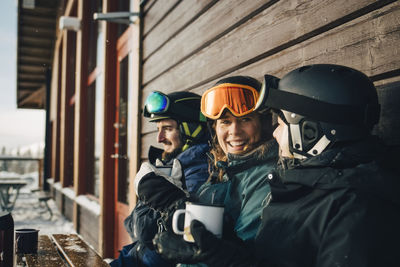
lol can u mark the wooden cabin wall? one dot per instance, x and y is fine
(189, 45)
(68, 207)
(88, 226)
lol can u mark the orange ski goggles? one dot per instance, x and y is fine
(239, 99)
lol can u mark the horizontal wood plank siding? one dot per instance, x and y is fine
(389, 126)
(185, 13)
(268, 31)
(146, 5)
(258, 37)
(352, 44)
(157, 13)
(147, 141)
(221, 19)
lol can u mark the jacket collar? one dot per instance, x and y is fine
(154, 154)
(267, 150)
(353, 166)
(341, 156)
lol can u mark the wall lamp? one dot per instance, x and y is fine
(117, 17)
(69, 23)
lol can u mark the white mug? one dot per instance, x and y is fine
(210, 215)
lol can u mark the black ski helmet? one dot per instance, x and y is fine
(245, 80)
(184, 108)
(323, 104)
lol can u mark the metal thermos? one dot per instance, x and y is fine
(6, 239)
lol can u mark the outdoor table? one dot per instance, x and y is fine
(9, 191)
(61, 250)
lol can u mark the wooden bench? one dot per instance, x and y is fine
(77, 252)
(62, 250)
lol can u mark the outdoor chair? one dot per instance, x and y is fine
(43, 198)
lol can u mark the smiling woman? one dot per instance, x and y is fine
(243, 154)
(237, 131)
(243, 150)
(238, 135)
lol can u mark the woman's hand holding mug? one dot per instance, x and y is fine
(210, 215)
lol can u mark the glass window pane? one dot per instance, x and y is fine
(98, 132)
(123, 135)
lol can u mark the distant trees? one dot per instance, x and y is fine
(30, 166)
(19, 166)
(3, 163)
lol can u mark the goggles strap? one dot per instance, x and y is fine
(197, 131)
(316, 109)
(190, 136)
(186, 128)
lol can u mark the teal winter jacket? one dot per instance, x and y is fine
(244, 190)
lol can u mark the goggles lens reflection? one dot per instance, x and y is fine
(156, 102)
(238, 99)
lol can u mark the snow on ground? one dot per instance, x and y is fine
(6, 175)
(29, 213)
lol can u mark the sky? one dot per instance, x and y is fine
(19, 128)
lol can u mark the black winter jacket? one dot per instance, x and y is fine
(142, 225)
(336, 209)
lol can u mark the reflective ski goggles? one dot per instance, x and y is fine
(239, 99)
(156, 103)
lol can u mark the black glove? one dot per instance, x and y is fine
(207, 248)
(158, 193)
(157, 189)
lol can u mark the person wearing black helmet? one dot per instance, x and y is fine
(179, 111)
(332, 203)
(182, 164)
(243, 154)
